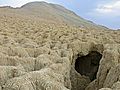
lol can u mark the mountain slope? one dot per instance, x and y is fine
(55, 13)
(58, 12)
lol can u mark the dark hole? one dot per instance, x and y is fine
(88, 65)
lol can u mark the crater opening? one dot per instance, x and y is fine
(88, 65)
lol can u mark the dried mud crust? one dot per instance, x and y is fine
(36, 54)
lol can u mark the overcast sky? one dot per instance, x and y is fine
(104, 12)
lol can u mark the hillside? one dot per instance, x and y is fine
(44, 46)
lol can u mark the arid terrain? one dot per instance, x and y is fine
(44, 46)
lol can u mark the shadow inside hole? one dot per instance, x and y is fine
(88, 65)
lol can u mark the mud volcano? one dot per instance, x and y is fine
(88, 65)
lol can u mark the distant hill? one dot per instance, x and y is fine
(55, 12)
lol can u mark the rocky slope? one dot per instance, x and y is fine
(47, 47)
